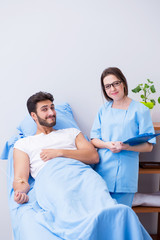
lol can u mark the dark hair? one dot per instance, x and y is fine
(116, 72)
(37, 97)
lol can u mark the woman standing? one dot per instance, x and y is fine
(117, 120)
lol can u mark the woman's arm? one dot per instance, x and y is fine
(118, 146)
(143, 147)
(109, 145)
(21, 175)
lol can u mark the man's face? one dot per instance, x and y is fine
(46, 114)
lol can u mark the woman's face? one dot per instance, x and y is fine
(114, 87)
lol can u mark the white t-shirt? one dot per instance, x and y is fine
(33, 145)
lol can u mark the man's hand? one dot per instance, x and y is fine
(85, 152)
(48, 154)
(20, 197)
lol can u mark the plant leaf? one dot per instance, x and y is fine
(159, 100)
(153, 90)
(137, 89)
(149, 81)
(142, 96)
(153, 101)
(146, 85)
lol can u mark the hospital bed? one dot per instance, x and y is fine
(27, 222)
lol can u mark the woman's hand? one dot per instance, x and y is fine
(20, 197)
(116, 147)
(113, 146)
(124, 146)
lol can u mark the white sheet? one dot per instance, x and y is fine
(143, 199)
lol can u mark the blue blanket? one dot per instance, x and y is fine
(68, 200)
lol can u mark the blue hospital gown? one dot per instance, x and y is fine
(120, 170)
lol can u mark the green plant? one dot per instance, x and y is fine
(147, 89)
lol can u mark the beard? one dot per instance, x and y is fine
(44, 123)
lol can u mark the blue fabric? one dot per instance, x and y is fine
(8, 145)
(70, 201)
(120, 170)
(123, 198)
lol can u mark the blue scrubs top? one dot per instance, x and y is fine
(120, 170)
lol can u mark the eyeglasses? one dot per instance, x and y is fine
(114, 84)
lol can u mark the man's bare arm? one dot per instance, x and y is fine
(85, 152)
(21, 175)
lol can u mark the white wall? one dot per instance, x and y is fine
(63, 46)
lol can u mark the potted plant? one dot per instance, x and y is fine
(147, 89)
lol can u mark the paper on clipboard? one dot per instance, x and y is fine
(141, 138)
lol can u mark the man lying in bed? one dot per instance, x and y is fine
(32, 153)
(74, 198)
